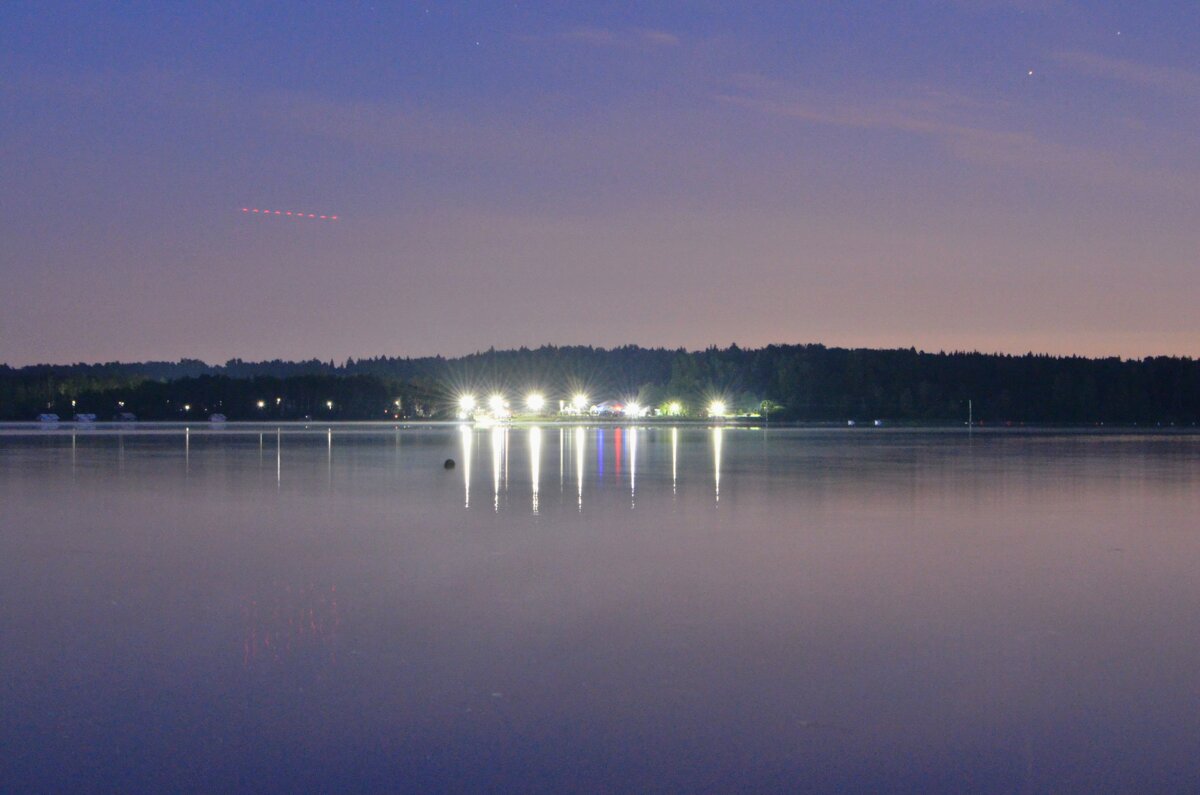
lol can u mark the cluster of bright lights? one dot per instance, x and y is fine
(496, 406)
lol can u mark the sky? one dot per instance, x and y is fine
(989, 175)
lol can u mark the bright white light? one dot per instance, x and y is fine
(329, 405)
(674, 408)
(716, 408)
(496, 403)
(261, 404)
(187, 406)
(633, 410)
(535, 401)
(467, 403)
(580, 401)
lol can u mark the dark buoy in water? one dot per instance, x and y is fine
(449, 463)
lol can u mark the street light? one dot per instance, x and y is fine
(535, 401)
(674, 408)
(716, 408)
(580, 401)
(262, 404)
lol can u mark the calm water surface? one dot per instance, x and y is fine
(582, 609)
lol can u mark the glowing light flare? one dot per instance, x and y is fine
(579, 401)
(535, 401)
(289, 213)
(497, 403)
(716, 408)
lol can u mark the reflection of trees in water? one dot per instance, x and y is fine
(290, 621)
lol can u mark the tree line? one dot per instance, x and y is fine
(797, 383)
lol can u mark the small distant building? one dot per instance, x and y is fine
(85, 418)
(609, 408)
(47, 418)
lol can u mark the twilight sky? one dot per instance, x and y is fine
(970, 174)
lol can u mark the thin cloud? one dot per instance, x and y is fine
(977, 143)
(1167, 79)
(635, 38)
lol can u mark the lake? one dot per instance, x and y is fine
(580, 608)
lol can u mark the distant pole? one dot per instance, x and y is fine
(970, 415)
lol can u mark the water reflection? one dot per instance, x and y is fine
(579, 465)
(633, 439)
(286, 621)
(674, 460)
(468, 439)
(620, 455)
(718, 437)
(535, 463)
(497, 464)
(849, 611)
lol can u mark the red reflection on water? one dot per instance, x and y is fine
(290, 621)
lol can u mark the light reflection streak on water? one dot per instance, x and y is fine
(535, 462)
(497, 465)
(278, 457)
(618, 448)
(573, 456)
(599, 454)
(467, 442)
(717, 439)
(674, 459)
(633, 441)
(579, 464)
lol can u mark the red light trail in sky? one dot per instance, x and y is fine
(289, 213)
